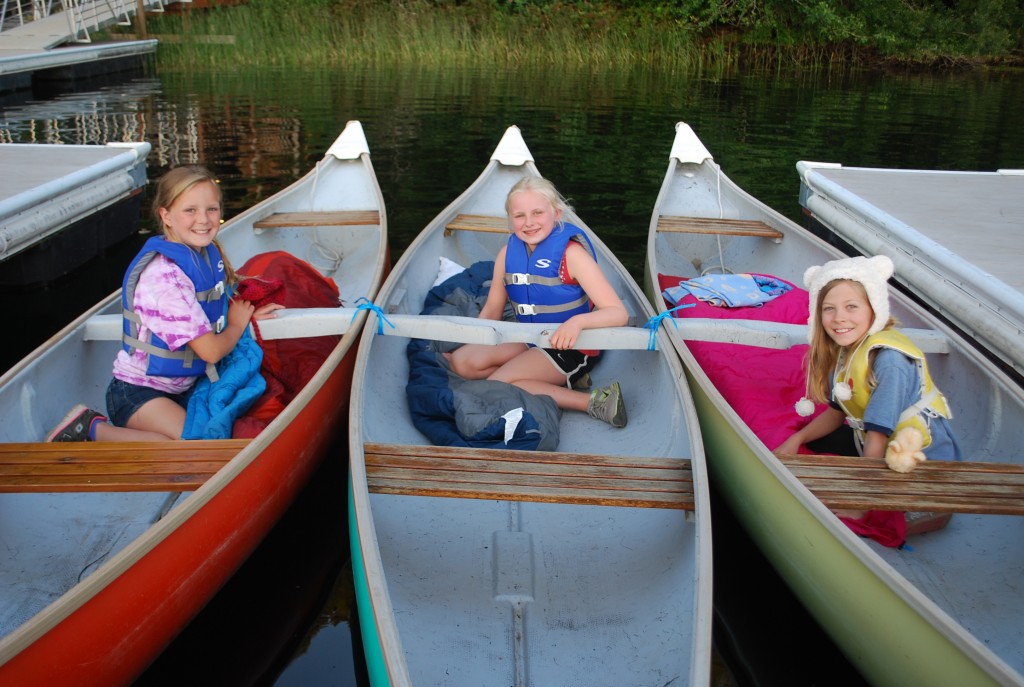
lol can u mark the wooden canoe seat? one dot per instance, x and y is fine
(935, 485)
(727, 227)
(336, 218)
(541, 476)
(486, 223)
(112, 465)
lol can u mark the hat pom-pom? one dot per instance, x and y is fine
(804, 407)
(842, 391)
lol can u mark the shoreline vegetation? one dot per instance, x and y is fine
(665, 34)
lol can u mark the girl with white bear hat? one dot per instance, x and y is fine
(870, 375)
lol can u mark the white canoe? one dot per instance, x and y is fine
(96, 582)
(946, 612)
(483, 589)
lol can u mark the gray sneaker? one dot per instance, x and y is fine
(606, 404)
(75, 425)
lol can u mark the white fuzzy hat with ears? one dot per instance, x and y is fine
(872, 273)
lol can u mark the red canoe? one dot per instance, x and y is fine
(105, 561)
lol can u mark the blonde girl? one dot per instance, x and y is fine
(547, 272)
(872, 376)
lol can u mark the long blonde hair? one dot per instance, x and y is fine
(823, 355)
(171, 186)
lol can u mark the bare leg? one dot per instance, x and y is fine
(533, 371)
(158, 420)
(567, 399)
(108, 432)
(479, 361)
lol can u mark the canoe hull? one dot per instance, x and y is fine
(172, 559)
(175, 579)
(460, 591)
(889, 641)
(902, 617)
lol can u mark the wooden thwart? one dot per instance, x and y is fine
(113, 466)
(485, 223)
(727, 227)
(541, 476)
(338, 218)
(939, 486)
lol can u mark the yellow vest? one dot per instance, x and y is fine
(930, 403)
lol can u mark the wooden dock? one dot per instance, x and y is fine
(954, 237)
(85, 196)
(63, 41)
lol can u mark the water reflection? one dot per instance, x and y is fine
(604, 137)
(113, 113)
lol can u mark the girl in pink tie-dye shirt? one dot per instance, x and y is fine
(174, 331)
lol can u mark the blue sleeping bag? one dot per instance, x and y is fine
(214, 407)
(452, 411)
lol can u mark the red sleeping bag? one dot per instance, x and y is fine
(279, 277)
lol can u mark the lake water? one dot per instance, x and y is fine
(603, 137)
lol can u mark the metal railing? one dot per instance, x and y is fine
(19, 12)
(82, 16)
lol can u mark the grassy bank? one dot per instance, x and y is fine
(514, 33)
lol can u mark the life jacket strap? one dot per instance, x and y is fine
(922, 406)
(211, 294)
(186, 354)
(526, 279)
(532, 309)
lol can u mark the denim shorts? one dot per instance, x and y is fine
(124, 400)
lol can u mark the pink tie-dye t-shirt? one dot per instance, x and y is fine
(165, 300)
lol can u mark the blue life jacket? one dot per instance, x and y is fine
(206, 270)
(532, 280)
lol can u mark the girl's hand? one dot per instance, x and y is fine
(266, 312)
(239, 313)
(788, 447)
(566, 335)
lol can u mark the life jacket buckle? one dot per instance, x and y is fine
(220, 324)
(525, 309)
(520, 279)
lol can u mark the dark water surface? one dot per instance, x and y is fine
(288, 617)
